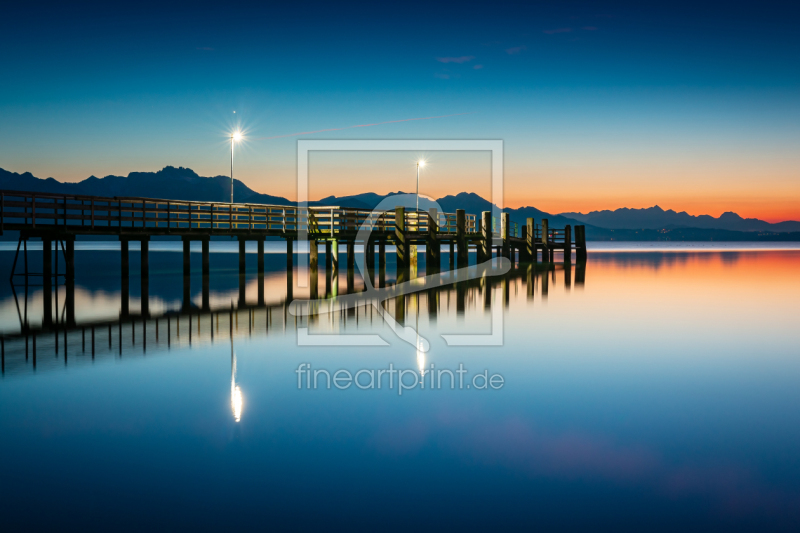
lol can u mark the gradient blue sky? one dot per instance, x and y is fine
(692, 106)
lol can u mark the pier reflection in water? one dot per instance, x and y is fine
(31, 342)
(649, 390)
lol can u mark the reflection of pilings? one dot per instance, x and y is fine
(47, 279)
(545, 285)
(144, 272)
(433, 304)
(70, 280)
(206, 275)
(242, 272)
(289, 270)
(382, 263)
(486, 290)
(260, 271)
(580, 274)
(567, 276)
(187, 273)
(461, 239)
(529, 280)
(461, 293)
(125, 288)
(313, 280)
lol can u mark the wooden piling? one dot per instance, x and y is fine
(545, 242)
(125, 285)
(433, 247)
(461, 238)
(580, 244)
(145, 275)
(400, 239)
(568, 244)
(206, 274)
(485, 246)
(505, 233)
(260, 271)
(187, 272)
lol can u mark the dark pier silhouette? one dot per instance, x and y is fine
(60, 219)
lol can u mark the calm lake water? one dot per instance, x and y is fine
(656, 389)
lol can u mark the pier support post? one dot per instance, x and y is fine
(369, 259)
(261, 271)
(47, 280)
(242, 272)
(568, 244)
(125, 285)
(580, 244)
(289, 270)
(486, 236)
(530, 241)
(524, 257)
(334, 255)
(351, 255)
(382, 263)
(145, 275)
(187, 273)
(313, 254)
(433, 249)
(505, 233)
(328, 257)
(206, 274)
(313, 278)
(545, 242)
(461, 238)
(400, 237)
(70, 281)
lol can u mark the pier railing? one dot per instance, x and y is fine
(20, 210)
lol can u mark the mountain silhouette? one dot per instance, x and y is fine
(657, 218)
(171, 183)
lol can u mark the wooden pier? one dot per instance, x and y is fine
(60, 219)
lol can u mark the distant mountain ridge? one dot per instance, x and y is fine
(181, 183)
(657, 218)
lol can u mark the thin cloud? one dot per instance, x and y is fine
(558, 30)
(460, 59)
(442, 76)
(589, 28)
(360, 126)
(516, 50)
(478, 67)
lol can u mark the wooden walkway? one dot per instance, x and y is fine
(60, 219)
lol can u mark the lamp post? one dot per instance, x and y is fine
(236, 136)
(420, 163)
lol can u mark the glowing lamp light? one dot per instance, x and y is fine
(237, 136)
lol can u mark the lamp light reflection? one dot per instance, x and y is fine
(236, 392)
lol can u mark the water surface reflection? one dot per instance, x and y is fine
(648, 391)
